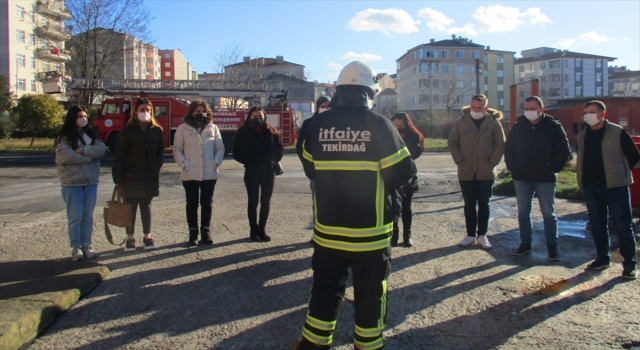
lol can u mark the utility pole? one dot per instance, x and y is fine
(477, 76)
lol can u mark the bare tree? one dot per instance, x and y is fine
(229, 61)
(453, 90)
(100, 29)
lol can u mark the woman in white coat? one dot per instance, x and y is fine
(198, 149)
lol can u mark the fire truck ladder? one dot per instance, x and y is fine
(262, 90)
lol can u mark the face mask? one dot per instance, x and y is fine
(82, 122)
(322, 110)
(476, 115)
(144, 116)
(200, 118)
(591, 119)
(531, 115)
(257, 121)
(402, 130)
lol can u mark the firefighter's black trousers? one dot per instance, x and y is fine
(330, 274)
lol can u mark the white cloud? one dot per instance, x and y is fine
(535, 16)
(497, 18)
(435, 19)
(468, 29)
(591, 37)
(352, 56)
(335, 66)
(385, 20)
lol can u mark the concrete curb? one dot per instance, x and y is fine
(27, 314)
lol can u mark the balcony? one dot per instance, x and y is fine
(54, 54)
(56, 33)
(50, 9)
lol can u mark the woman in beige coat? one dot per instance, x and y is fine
(476, 143)
(198, 149)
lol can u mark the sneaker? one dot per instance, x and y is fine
(553, 254)
(88, 252)
(467, 241)
(522, 250)
(484, 242)
(630, 273)
(130, 245)
(149, 243)
(76, 254)
(599, 264)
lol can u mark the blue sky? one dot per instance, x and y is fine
(325, 35)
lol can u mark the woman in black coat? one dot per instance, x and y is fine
(414, 141)
(257, 145)
(136, 167)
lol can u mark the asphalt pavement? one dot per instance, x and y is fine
(238, 294)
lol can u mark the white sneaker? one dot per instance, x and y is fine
(76, 254)
(484, 242)
(88, 252)
(467, 241)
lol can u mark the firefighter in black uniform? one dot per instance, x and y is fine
(358, 160)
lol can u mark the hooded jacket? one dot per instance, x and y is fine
(76, 169)
(199, 154)
(477, 152)
(536, 152)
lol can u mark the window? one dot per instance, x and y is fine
(33, 85)
(500, 73)
(413, 55)
(56, 66)
(599, 91)
(32, 62)
(543, 65)
(459, 84)
(475, 54)
(167, 64)
(566, 92)
(397, 65)
(21, 36)
(485, 73)
(578, 76)
(167, 74)
(554, 64)
(21, 60)
(473, 84)
(501, 101)
(500, 87)
(521, 80)
(459, 69)
(110, 108)
(578, 62)
(444, 53)
(415, 85)
(166, 55)
(566, 77)
(32, 16)
(414, 70)
(598, 63)
(32, 40)
(445, 68)
(424, 53)
(500, 59)
(486, 88)
(22, 84)
(521, 69)
(485, 59)
(521, 94)
(160, 111)
(19, 11)
(415, 100)
(532, 67)
(578, 91)
(45, 65)
(599, 77)
(459, 54)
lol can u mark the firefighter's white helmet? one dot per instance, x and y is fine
(359, 73)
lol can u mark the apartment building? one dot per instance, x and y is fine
(440, 76)
(624, 83)
(563, 74)
(174, 66)
(261, 67)
(32, 46)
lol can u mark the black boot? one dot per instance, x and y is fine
(205, 236)
(394, 237)
(193, 237)
(406, 237)
(264, 237)
(253, 234)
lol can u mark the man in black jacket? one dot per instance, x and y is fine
(358, 160)
(536, 149)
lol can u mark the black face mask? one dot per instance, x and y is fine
(402, 130)
(257, 121)
(200, 118)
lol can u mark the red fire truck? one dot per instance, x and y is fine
(169, 111)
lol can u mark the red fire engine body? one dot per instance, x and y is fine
(169, 113)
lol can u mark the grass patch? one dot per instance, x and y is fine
(430, 143)
(566, 187)
(39, 144)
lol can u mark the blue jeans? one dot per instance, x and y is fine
(545, 192)
(618, 202)
(80, 201)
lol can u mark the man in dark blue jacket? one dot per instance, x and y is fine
(536, 149)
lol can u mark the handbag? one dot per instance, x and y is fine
(277, 168)
(117, 212)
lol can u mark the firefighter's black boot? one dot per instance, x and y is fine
(394, 237)
(205, 236)
(406, 237)
(193, 237)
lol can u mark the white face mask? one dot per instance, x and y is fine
(144, 116)
(82, 122)
(322, 110)
(591, 119)
(531, 115)
(476, 115)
